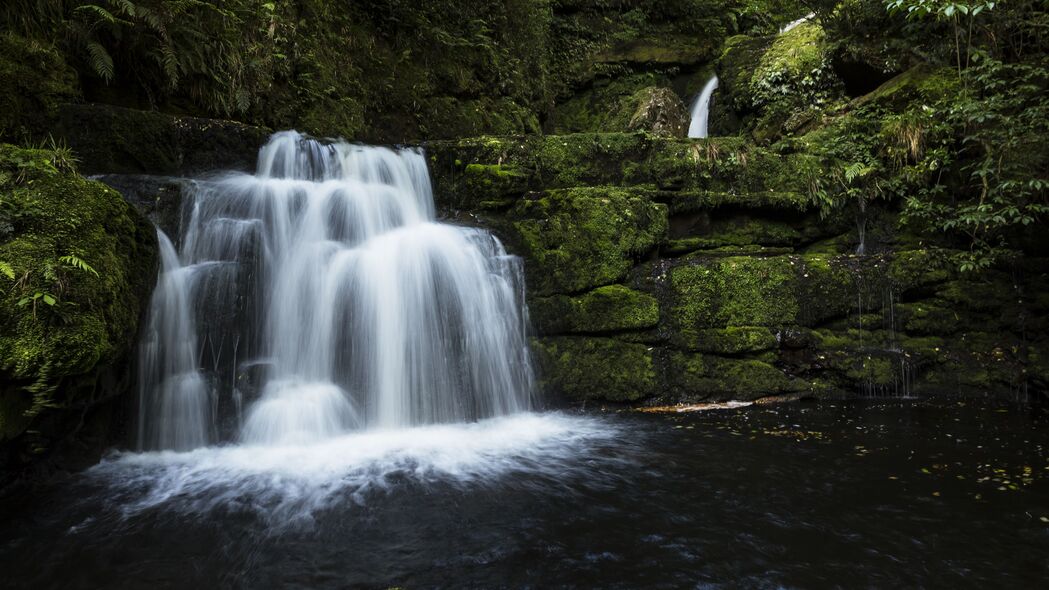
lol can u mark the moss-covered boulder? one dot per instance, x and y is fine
(577, 239)
(78, 265)
(660, 112)
(612, 308)
(778, 85)
(694, 377)
(597, 368)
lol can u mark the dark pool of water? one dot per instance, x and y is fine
(880, 494)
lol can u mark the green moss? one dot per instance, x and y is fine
(918, 83)
(693, 376)
(605, 107)
(794, 54)
(738, 291)
(927, 317)
(688, 173)
(597, 368)
(738, 62)
(48, 353)
(779, 84)
(874, 371)
(577, 239)
(606, 309)
(693, 201)
(732, 340)
(485, 185)
(35, 81)
(920, 268)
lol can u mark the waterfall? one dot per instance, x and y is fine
(794, 23)
(322, 292)
(701, 109)
(175, 408)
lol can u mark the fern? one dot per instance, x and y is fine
(77, 263)
(103, 15)
(7, 270)
(127, 7)
(101, 62)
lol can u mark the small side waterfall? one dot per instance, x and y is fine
(322, 292)
(175, 409)
(701, 109)
(794, 23)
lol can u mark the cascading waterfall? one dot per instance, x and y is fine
(701, 109)
(322, 292)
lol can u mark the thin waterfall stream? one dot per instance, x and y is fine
(700, 110)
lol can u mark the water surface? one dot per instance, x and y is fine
(914, 493)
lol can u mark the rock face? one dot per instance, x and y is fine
(660, 112)
(776, 85)
(669, 270)
(115, 140)
(78, 266)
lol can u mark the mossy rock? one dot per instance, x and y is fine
(694, 377)
(612, 308)
(737, 291)
(35, 81)
(730, 340)
(110, 139)
(605, 107)
(576, 239)
(920, 83)
(583, 368)
(778, 84)
(67, 330)
(730, 167)
(660, 112)
(736, 66)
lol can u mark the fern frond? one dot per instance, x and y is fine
(101, 13)
(101, 61)
(77, 263)
(127, 7)
(170, 63)
(7, 270)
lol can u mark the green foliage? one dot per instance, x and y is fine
(77, 263)
(1000, 164)
(80, 262)
(961, 16)
(35, 80)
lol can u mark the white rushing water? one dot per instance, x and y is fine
(701, 109)
(288, 484)
(794, 23)
(318, 297)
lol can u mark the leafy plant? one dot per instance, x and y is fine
(960, 15)
(77, 263)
